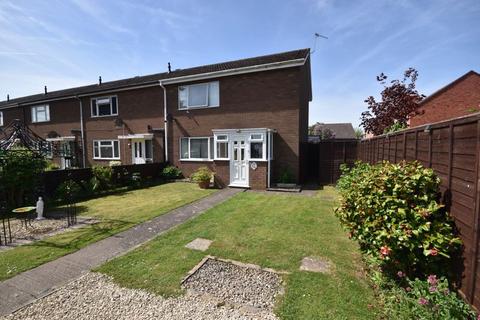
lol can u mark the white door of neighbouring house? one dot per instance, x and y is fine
(239, 162)
(138, 151)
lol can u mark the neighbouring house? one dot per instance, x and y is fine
(246, 119)
(329, 131)
(459, 98)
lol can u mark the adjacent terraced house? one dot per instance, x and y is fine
(246, 119)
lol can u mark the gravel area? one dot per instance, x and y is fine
(235, 284)
(95, 296)
(37, 228)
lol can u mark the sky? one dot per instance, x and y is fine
(66, 43)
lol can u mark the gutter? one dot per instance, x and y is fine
(165, 121)
(82, 133)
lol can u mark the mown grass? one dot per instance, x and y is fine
(116, 213)
(274, 231)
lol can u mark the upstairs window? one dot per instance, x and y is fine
(104, 107)
(41, 113)
(202, 95)
(1, 118)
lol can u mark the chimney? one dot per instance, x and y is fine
(8, 97)
(99, 80)
(169, 68)
(45, 89)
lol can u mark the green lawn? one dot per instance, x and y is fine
(273, 231)
(116, 213)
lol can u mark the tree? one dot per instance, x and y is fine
(359, 133)
(20, 171)
(399, 101)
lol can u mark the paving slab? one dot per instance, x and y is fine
(199, 244)
(312, 264)
(36, 283)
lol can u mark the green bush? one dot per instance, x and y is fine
(428, 299)
(393, 213)
(202, 174)
(66, 188)
(102, 178)
(171, 172)
(286, 176)
(52, 166)
(20, 170)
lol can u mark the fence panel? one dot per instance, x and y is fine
(326, 157)
(452, 150)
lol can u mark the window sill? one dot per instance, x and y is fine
(106, 159)
(35, 122)
(196, 160)
(197, 108)
(110, 115)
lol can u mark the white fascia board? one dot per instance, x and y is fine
(242, 70)
(146, 136)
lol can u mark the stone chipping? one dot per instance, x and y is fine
(252, 287)
(96, 296)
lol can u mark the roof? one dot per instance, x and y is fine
(340, 130)
(154, 78)
(450, 85)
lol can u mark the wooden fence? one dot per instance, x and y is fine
(452, 149)
(325, 157)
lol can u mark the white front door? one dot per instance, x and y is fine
(138, 151)
(239, 162)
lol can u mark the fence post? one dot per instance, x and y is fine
(430, 148)
(416, 144)
(473, 268)
(404, 145)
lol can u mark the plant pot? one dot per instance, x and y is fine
(204, 184)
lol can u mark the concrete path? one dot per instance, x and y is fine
(40, 281)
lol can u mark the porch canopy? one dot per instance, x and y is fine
(145, 136)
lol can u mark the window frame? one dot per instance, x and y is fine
(209, 139)
(257, 140)
(217, 141)
(34, 113)
(96, 106)
(208, 105)
(1, 118)
(99, 149)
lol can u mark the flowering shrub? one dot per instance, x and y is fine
(424, 299)
(393, 213)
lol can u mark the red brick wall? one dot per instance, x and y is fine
(462, 98)
(276, 99)
(258, 100)
(258, 177)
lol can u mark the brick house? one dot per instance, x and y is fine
(246, 119)
(459, 98)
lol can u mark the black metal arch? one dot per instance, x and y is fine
(17, 134)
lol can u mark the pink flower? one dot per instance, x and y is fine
(400, 274)
(433, 252)
(385, 251)
(408, 289)
(432, 280)
(432, 289)
(422, 301)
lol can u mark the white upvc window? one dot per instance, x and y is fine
(41, 113)
(1, 118)
(257, 146)
(221, 147)
(106, 149)
(104, 106)
(201, 95)
(196, 148)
